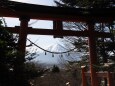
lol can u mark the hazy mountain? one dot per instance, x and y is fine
(51, 58)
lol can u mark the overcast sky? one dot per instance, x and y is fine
(41, 2)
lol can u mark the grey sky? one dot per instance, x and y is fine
(41, 2)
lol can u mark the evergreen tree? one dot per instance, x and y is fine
(8, 52)
(86, 3)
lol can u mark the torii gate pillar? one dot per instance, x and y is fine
(23, 35)
(92, 52)
(19, 65)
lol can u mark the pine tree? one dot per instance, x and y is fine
(9, 63)
(8, 52)
(86, 3)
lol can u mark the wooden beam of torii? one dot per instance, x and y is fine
(29, 11)
(16, 9)
(41, 31)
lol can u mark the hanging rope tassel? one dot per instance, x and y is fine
(52, 55)
(51, 51)
(45, 53)
(61, 55)
(68, 54)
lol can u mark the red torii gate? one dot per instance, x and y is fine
(25, 12)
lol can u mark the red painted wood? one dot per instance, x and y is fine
(41, 31)
(84, 83)
(16, 9)
(92, 55)
(23, 36)
(109, 79)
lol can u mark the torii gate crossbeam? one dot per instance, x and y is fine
(30, 11)
(16, 9)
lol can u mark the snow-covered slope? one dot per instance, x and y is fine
(52, 58)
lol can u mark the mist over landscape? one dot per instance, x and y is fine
(56, 59)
